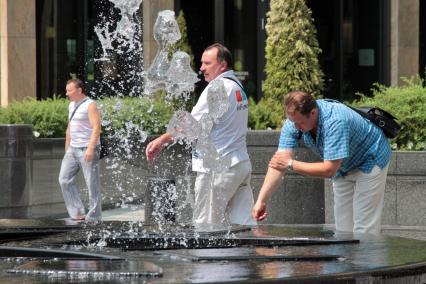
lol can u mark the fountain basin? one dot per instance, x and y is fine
(260, 254)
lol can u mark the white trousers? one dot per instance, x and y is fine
(225, 197)
(72, 162)
(358, 201)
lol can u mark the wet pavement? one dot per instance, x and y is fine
(135, 252)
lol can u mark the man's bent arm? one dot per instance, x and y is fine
(325, 169)
(67, 137)
(95, 123)
(155, 146)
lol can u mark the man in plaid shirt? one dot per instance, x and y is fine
(355, 154)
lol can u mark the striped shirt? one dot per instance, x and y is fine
(342, 134)
(80, 129)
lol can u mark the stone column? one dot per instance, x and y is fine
(404, 39)
(150, 12)
(17, 50)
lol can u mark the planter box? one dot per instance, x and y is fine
(125, 178)
(405, 194)
(299, 199)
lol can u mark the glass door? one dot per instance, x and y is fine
(64, 44)
(240, 31)
(354, 38)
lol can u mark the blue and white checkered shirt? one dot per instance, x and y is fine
(342, 134)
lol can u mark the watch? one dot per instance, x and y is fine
(290, 165)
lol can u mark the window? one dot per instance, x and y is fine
(62, 43)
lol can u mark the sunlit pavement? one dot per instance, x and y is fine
(127, 213)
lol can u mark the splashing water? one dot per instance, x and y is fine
(120, 62)
(184, 126)
(176, 78)
(127, 7)
(126, 27)
(217, 100)
(180, 77)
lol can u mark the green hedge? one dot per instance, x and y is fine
(129, 114)
(408, 104)
(266, 114)
(49, 117)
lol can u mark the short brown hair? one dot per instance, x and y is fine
(223, 54)
(299, 101)
(78, 84)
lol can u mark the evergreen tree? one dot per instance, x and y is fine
(183, 43)
(292, 51)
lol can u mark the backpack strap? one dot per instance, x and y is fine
(75, 109)
(236, 81)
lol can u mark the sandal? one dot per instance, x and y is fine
(79, 218)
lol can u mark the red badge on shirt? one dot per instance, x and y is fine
(238, 95)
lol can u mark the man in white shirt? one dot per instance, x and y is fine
(226, 196)
(82, 148)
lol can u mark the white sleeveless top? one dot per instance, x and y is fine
(80, 129)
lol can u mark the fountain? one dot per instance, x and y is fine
(161, 250)
(130, 252)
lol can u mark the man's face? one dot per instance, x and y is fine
(302, 122)
(72, 91)
(210, 67)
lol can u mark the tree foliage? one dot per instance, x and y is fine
(183, 43)
(292, 50)
(291, 53)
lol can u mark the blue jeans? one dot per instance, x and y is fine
(72, 162)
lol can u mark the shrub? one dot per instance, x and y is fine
(134, 113)
(408, 104)
(267, 114)
(48, 117)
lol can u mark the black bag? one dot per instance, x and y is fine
(104, 148)
(381, 118)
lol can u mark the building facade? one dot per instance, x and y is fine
(45, 42)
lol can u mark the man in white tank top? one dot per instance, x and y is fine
(220, 197)
(82, 148)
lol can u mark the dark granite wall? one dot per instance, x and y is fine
(298, 200)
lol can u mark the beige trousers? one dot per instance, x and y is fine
(358, 201)
(225, 197)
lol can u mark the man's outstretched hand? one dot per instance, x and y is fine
(259, 211)
(155, 146)
(152, 150)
